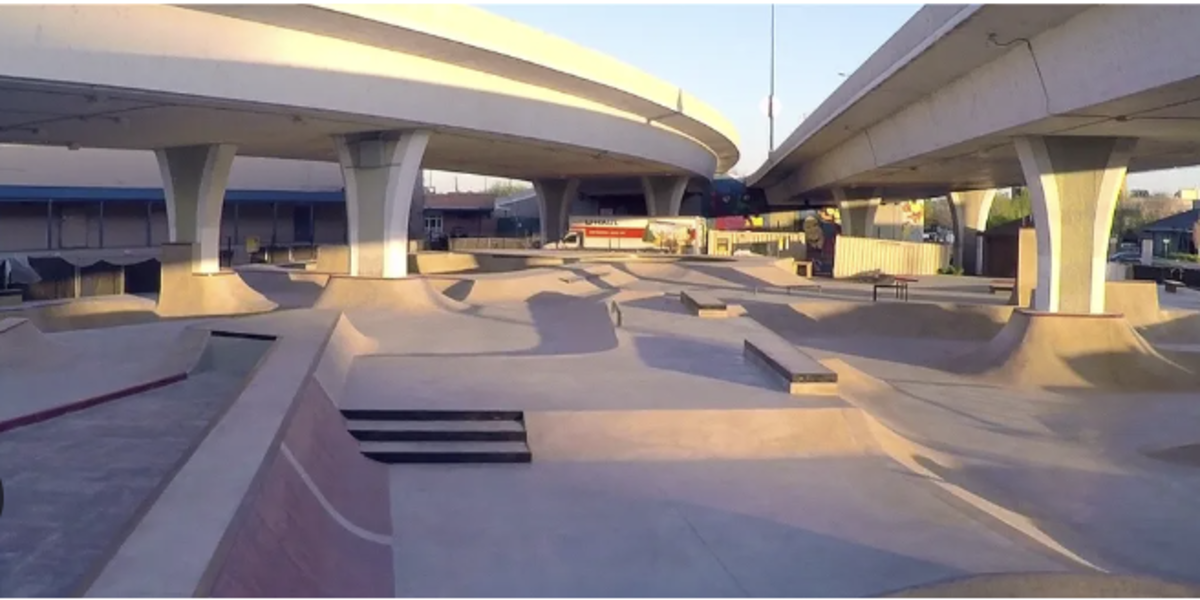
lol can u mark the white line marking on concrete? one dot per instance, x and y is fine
(370, 536)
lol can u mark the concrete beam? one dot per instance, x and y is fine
(554, 205)
(194, 180)
(664, 195)
(1073, 183)
(381, 172)
(969, 211)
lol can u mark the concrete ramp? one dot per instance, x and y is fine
(411, 294)
(886, 319)
(23, 344)
(346, 343)
(185, 294)
(520, 286)
(1053, 350)
(670, 435)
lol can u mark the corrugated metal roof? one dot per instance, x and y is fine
(1178, 222)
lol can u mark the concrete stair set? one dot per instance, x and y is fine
(440, 436)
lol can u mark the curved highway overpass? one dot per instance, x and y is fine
(1063, 99)
(383, 90)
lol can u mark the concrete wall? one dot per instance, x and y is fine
(855, 256)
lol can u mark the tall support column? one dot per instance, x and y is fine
(858, 216)
(554, 205)
(194, 180)
(380, 171)
(1073, 183)
(664, 195)
(969, 211)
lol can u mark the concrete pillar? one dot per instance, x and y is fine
(664, 195)
(1073, 183)
(858, 216)
(194, 180)
(380, 171)
(969, 211)
(554, 205)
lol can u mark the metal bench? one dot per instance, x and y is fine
(900, 284)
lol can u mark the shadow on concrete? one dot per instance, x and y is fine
(900, 320)
(565, 325)
(655, 529)
(279, 288)
(1119, 521)
(698, 358)
(668, 304)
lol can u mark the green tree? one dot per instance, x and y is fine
(1018, 206)
(507, 187)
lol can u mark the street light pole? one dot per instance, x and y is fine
(771, 94)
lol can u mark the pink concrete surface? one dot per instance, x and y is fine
(285, 543)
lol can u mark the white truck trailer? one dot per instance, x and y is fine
(674, 235)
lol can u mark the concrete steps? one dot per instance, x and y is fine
(440, 436)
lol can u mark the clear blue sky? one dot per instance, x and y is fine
(721, 54)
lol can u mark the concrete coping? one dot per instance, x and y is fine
(1069, 315)
(798, 372)
(7, 323)
(202, 500)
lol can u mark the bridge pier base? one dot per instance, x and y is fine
(194, 181)
(554, 206)
(858, 216)
(1073, 183)
(969, 211)
(664, 195)
(381, 171)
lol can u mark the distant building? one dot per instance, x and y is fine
(1188, 194)
(1173, 234)
(460, 214)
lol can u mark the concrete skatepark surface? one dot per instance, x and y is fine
(664, 463)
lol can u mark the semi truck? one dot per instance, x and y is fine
(673, 235)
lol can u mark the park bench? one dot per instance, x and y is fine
(1172, 286)
(797, 372)
(704, 305)
(900, 284)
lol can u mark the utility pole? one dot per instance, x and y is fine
(771, 94)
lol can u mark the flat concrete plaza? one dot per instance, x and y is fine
(664, 462)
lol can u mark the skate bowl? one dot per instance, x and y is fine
(411, 294)
(275, 501)
(1050, 585)
(288, 288)
(825, 318)
(86, 313)
(1069, 351)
